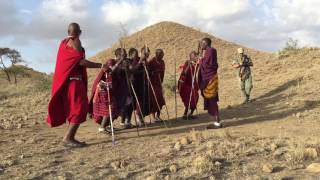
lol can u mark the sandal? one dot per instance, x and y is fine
(73, 144)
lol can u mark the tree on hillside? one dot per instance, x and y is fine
(15, 58)
(3, 53)
(291, 44)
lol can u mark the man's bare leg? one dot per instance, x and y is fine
(185, 113)
(191, 116)
(70, 135)
(153, 116)
(140, 119)
(156, 116)
(104, 123)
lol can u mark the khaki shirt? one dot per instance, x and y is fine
(245, 63)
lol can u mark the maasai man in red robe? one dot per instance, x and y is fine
(208, 81)
(122, 77)
(140, 84)
(186, 89)
(156, 68)
(69, 99)
(99, 100)
(99, 103)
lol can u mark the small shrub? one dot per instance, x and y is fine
(290, 48)
(44, 84)
(291, 44)
(202, 165)
(170, 85)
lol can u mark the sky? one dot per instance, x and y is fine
(35, 27)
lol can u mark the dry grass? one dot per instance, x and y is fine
(202, 165)
(301, 154)
(195, 136)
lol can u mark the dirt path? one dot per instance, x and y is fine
(35, 152)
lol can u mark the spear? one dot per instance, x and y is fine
(175, 82)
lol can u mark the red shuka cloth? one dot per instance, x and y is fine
(99, 103)
(185, 86)
(69, 97)
(156, 69)
(208, 69)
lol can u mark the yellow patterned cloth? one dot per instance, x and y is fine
(212, 88)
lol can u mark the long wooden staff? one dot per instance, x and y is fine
(165, 105)
(175, 82)
(110, 110)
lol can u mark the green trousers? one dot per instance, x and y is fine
(246, 87)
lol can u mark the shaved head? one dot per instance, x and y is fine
(193, 55)
(159, 54)
(74, 29)
(205, 43)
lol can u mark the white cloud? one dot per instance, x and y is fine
(297, 19)
(120, 12)
(261, 24)
(65, 10)
(26, 11)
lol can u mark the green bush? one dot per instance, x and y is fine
(170, 85)
(44, 84)
(291, 47)
(291, 44)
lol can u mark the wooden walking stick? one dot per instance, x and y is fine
(175, 82)
(110, 109)
(128, 84)
(136, 97)
(165, 105)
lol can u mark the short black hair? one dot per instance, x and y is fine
(207, 40)
(117, 52)
(132, 50)
(159, 51)
(75, 27)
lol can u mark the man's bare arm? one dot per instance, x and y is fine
(236, 65)
(90, 64)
